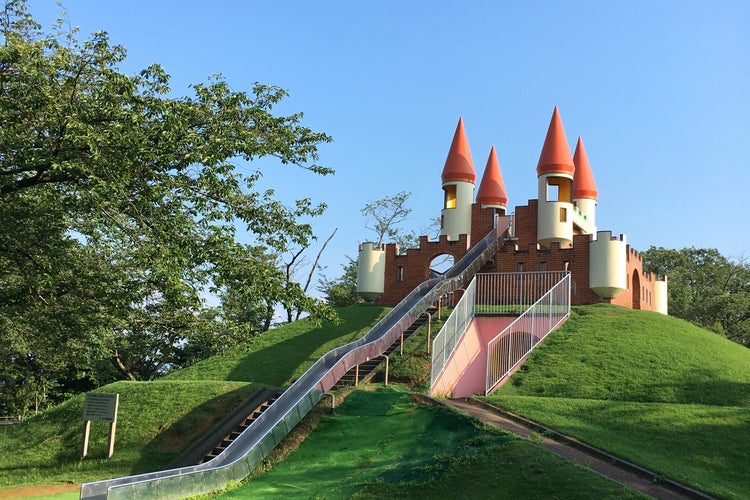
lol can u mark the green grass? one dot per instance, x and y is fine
(652, 389)
(413, 367)
(380, 445)
(280, 356)
(156, 420)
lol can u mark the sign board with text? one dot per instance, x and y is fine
(100, 407)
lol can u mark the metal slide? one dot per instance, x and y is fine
(242, 455)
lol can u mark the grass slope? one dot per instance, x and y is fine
(157, 420)
(381, 445)
(650, 388)
(653, 389)
(281, 355)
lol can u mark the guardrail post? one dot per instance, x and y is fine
(429, 330)
(386, 368)
(333, 399)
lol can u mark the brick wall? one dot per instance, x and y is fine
(403, 273)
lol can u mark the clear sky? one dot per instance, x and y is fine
(658, 90)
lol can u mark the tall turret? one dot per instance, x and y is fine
(608, 272)
(370, 271)
(661, 296)
(555, 187)
(458, 179)
(491, 193)
(585, 193)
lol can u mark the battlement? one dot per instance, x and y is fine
(555, 232)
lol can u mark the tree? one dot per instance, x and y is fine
(705, 288)
(342, 291)
(385, 215)
(295, 262)
(119, 207)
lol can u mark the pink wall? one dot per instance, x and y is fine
(464, 374)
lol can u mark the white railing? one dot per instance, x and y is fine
(453, 329)
(512, 293)
(488, 294)
(508, 349)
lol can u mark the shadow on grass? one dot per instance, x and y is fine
(705, 389)
(195, 425)
(276, 364)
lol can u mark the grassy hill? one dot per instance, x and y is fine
(652, 389)
(157, 420)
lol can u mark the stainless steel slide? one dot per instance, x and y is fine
(242, 455)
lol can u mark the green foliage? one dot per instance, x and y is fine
(656, 390)
(119, 207)
(385, 215)
(342, 291)
(706, 288)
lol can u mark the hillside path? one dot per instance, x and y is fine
(598, 461)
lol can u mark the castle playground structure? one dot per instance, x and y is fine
(549, 251)
(555, 232)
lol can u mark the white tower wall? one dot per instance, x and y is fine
(587, 206)
(608, 274)
(555, 211)
(456, 214)
(660, 296)
(370, 271)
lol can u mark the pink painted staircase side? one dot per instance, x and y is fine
(465, 373)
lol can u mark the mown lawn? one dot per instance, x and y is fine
(652, 389)
(381, 445)
(158, 420)
(280, 356)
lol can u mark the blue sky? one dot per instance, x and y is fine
(658, 90)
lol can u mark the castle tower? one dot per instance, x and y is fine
(661, 296)
(585, 193)
(491, 193)
(458, 179)
(608, 273)
(370, 271)
(555, 187)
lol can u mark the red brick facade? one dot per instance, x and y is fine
(520, 253)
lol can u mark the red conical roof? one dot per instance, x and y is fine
(583, 180)
(492, 188)
(555, 157)
(459, 167)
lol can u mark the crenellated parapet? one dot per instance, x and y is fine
(404, 271)
(557, 231)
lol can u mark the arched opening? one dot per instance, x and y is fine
(440, 264)
(636, 290)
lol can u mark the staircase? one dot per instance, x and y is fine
(228, 429)
(272, 425)
(364, 372)
(229, 438)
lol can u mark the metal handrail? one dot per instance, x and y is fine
(245, 452)
(534, 325)
(488, 294)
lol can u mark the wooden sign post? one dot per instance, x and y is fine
(100, 407)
